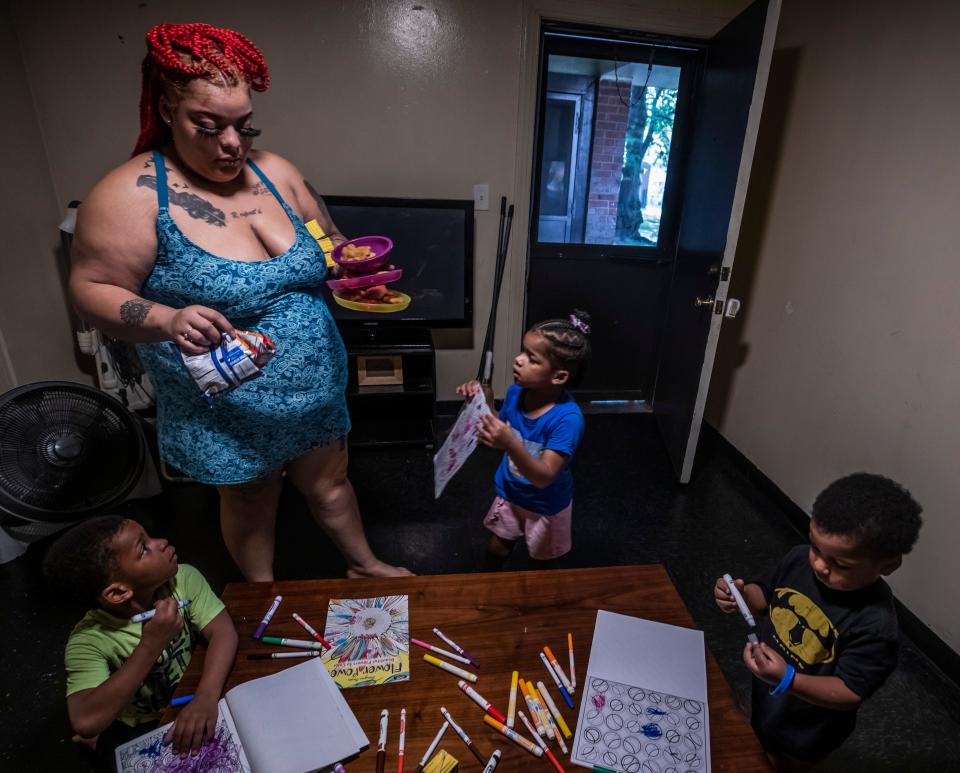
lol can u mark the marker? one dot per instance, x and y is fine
(492, 762)
(142, 617)
(556, 667)
(266, 618)
(573, 673)
(382, 741)
(310, 645)
(529, 701)
(439, 651)
(452, 669)
(279, 655)
(744, 609)
(557, 716)
(432, 747)
(482, 702)
(540, 710)
(180, 701)
(338, 768)
(514, 736)
(456, 646)
(306, 627)
(512, 705)
(598, 769)
(403, 739)
(540, 741)
(556, 680)
(463, 736)
(557, 734)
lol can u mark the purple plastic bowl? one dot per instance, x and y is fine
(381, 246)
(367, 280)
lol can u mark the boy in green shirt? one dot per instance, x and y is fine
(120, 674)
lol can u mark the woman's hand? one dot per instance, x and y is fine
(195, 725)
(764, 663)
(197, 329)
(469, 389)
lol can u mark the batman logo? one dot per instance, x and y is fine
(802, 627)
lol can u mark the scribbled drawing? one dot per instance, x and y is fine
(634, 730)
(221, 754)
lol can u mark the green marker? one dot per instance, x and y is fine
(598, 769)
(301, 643)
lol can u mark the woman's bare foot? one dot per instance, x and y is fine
(378, 569)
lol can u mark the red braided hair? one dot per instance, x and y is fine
(178, 53)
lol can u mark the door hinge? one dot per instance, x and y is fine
(725, 274)
(718, 307)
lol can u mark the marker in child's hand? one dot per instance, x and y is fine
(181, 700)
(742, 605)
(142, 617)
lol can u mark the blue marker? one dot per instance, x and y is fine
(181, 700)
(556, 680)
(142, 617)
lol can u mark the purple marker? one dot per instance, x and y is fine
(266, 618)
(456, 647)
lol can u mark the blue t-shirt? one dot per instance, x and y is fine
(559, 429)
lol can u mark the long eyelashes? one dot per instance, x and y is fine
(247, 131)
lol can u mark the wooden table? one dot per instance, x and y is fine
(504, 620)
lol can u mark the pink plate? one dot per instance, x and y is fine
(367, 280)
(380, 245)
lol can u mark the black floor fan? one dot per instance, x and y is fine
(67, 452)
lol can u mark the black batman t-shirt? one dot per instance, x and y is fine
(820, 632)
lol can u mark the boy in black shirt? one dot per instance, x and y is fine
(828, 638)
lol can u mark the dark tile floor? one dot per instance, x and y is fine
(628, 510)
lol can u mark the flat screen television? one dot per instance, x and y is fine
(432, 246)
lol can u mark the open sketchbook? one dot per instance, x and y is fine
(644, 704)
(293, 721)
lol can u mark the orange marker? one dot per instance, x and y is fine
(513, 735)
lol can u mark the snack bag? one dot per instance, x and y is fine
(227, 366)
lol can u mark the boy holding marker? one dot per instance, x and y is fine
(827, 625)
(120, 673)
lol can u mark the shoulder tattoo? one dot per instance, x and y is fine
(197, 207)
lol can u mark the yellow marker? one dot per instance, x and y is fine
(558, 717)
(539, 709)
(512, 705)
(323, 240)
(452, 669)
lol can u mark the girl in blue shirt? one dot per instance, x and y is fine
(539, 429)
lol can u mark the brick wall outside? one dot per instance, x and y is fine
(609, 134)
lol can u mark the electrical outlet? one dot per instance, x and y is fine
(481, 196)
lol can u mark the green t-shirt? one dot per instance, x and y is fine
(101, 643)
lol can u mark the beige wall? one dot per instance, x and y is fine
(36, 339)
(846, 356)
(367, 97)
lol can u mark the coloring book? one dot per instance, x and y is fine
(294, 721)
(371, 641)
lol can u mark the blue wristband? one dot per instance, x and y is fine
(785, 682)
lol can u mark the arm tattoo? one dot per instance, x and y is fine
(134, 313)
(329, 226)
(197, 207)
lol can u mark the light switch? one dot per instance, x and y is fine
(481, 196)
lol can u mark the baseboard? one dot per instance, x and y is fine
(936, 649)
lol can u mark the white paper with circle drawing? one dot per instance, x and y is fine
(461, 441)
(643, 704)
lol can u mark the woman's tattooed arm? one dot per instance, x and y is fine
(134, 313)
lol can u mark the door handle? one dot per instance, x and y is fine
(704, 301)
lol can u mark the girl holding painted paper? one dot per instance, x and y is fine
(539, 429)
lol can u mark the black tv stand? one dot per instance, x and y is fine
(390, 414)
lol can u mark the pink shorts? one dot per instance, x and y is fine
(548, 536)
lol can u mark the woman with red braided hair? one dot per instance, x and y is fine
(199, 235)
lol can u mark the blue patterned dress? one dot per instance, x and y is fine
(297, 404)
